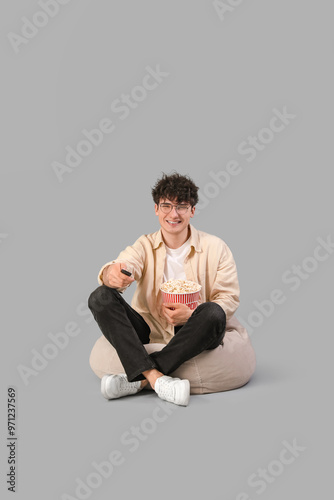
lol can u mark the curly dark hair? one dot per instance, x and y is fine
(175, 187)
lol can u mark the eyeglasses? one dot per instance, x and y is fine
(168, 207)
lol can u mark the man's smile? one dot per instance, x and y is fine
(173, 222)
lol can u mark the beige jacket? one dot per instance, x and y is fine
(209, 263)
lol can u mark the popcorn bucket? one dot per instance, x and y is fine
(188, 298)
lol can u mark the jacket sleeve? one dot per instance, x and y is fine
(225, 290)
(134, 258)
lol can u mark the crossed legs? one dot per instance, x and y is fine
(127, 332)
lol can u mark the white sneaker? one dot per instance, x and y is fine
(174, 390)
(117, 386)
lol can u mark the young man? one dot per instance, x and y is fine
(176, 251)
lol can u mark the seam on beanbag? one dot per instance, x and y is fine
(200, 382)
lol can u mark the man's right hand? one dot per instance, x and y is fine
(113, 277)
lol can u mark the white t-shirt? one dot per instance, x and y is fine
(174, 269)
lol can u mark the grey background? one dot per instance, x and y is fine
(225, 77)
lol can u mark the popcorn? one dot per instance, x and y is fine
(180, 286)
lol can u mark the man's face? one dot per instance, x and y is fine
(174, 222)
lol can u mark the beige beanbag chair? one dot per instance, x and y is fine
(226, 367)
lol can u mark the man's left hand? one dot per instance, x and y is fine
(176, 314)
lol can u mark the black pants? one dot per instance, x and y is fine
(127, 331)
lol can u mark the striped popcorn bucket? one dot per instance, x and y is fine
(190, 298)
